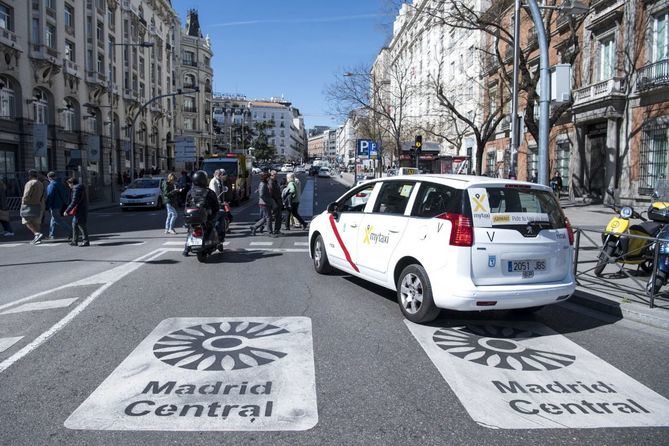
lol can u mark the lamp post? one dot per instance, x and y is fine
(572, 7)
(139, 112)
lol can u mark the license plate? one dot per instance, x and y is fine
(526, 267)
(194, 241)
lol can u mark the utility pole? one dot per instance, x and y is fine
(515, 125)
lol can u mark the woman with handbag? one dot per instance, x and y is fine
(78, 210)
(4, 211)
(32, 206)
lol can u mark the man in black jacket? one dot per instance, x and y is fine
(201, 196)
(78, 209)
(277, 209)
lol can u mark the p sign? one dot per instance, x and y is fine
(366, 147)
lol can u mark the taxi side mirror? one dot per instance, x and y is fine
(332, 208)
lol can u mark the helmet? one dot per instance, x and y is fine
(222, 172)
(200, 178)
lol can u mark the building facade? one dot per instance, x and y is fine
(316, 146)
(233, 123)
(74, 77)
(288, 135)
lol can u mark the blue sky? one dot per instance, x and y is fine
(266, 48)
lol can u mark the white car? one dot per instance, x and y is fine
(287, 168)
(144, 193)
(450, 242)
(299, 169)
(324, 172)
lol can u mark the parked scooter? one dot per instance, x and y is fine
(617, 247)
(202, 238)
(659, 211)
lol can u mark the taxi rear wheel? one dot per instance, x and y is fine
(321, 262)
(414, 295)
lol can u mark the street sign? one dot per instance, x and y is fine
(184, 149)
(366, 148)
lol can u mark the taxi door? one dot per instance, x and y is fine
(383, 227)
(343, 228)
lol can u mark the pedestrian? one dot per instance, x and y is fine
(294, 195)
(78, 210)
(57, 199)
(277, 208)
(216, 185)
(32, 206)
(298, 185)
(285, 203)
(556, 183)
(170, 197)
(4, 211)
(264, 205)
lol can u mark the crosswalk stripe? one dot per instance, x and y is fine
(173, 243)
(5, 343)
(261, 243)
(10, 245)
(41, 305)
(301, 243)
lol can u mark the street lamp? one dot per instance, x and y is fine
(139, 112)
(572, 7)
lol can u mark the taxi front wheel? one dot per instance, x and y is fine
(414, 295)
(321, 262)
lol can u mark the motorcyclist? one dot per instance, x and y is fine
(201, 196)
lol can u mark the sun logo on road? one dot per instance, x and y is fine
(219, 346)
(499, 347)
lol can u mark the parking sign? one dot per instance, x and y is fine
(367, 148)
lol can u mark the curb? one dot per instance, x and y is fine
(630, 311)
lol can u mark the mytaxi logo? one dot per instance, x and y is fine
(368, 231)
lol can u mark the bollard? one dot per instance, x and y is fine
(653, 275)
(577, 247)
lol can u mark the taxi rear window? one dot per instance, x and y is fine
(513, 207)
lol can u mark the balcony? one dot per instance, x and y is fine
(190, 109)
(44, 52)
(600, 91)
(70, 67)
(189, 63)
(532, 40)
(505, 124)
(8, 38)
(653, 75)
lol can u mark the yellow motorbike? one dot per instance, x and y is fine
(618, 247)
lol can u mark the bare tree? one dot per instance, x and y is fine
(381, 95)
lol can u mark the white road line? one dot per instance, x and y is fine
(226, 243)
(181, 243)
(49, 245)
(11, 245)
(276, 249)
(104, 243)
(5, 343)
(261, 243)
(41, 305)
(301, 243)
(106, 278)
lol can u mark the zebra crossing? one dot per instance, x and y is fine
(243, 245)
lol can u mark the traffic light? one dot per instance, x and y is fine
(418, 142)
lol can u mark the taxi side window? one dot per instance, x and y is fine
(356, 201)
(436, 199)
(393, 197)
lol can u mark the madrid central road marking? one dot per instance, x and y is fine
(105, 279)
(210, 374)
(523, 375)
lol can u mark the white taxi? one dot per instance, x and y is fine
(450, 242)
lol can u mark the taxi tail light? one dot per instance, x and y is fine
(570, 231)
(198, 232)
(462, 233)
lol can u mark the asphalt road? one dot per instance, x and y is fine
(374, 383)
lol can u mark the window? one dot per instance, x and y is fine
(189, 58)
(189, 124)
(40, 107)
(653, 158)
(50, 36)
(189, 80)
(36, 32)
(393, 197)
(101, 63)
(563, 156)
(660, 37)
(70, 53)
(51, 4)
(490, 164)
(69, 16)
(6, 17)
(111, 49)
(99, 31)
(7, 100)
(356, 200)
(606, 58)
(492, 100)
(111, 19)
(189, 104)
(68, 115)
(437, 199)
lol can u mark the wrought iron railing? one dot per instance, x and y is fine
(653, 75)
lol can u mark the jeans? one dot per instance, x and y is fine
(293, 212)
(171, 217)
(219, 225)
(56, 221)
(79, 225)
(276, 219)
(264, 220)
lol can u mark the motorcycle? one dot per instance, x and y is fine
(202, 238)
(659, 211)
(617, 247)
